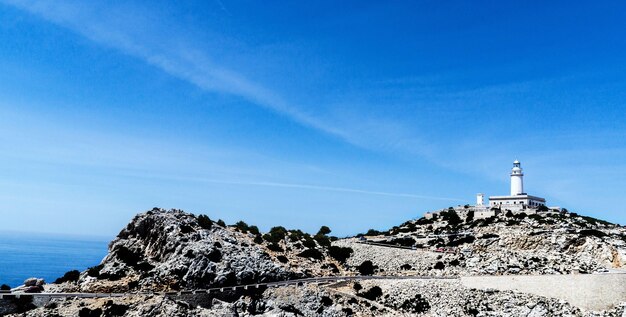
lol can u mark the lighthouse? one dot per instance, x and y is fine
(517, 179)
(518, 200)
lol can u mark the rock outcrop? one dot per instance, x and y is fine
(163, 250)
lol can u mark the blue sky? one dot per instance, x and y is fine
(354, 115)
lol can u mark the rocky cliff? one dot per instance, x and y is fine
(163, 250)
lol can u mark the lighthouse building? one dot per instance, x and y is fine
(517, 202)
(518, 199)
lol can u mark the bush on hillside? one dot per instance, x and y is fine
(322, 240)
(204, 222)
(521, 216)
(5, 287)
(71, 276)
(241, 226)
(309, 242)
(254, 230)
(324, 230)
(311, 254)
(373, 232)
(221, 223)
(366, 268)
(372, 293)
(275, 247)
(452, 217)
(258, 239)
(462, 240)
(275, 235)
(94, 271)
(340, 254)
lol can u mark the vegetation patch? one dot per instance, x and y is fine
(416, 305)
(460, 241)
(71, 276)
(311, 254)
(204, 222)
(372, 294)
(592, 232)
(275, 235)
(366, 268)
(340, 254)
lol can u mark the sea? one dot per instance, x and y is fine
(47, 256)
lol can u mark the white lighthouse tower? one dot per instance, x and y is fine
(517, 179)
(518, 200)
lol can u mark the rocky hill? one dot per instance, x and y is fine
(542, 243)
(172, 250)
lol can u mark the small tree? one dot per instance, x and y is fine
(254, 230)
(322, 240)
(204, 222)
(5, 287)
(324, 230)
(373, 232)
(71, 276)
(241, 226)
(221, 222)
(372, 293)
(366, 268)
(340, 254)
(276, 234)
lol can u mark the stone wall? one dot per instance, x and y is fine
(586, 291)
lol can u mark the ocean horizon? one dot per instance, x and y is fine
(46, 255)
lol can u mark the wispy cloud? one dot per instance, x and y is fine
(320, 188)
(138, 34)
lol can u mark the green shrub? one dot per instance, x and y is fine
(373, 232)
(221, 223)
(94, 271)
(324, 230)
(462, 240)
(322, 240)
(372, 293)
(416, 305)
(311, 253)
(452, 217)
(204, 222)
(592, 232)
(258, 239)
(340, 254)
(366, 268)
(357, 286)
(309, 242)
(424, 221)
(275, 235)
(275, 247)
(71, 276)
(521, 215)
(254, 230)
(241, 226)
(5, 287)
